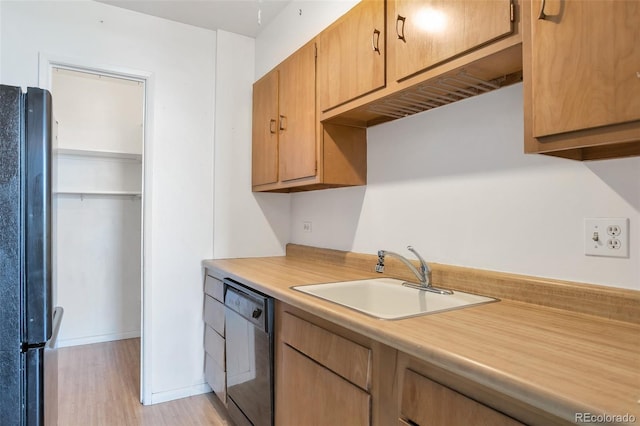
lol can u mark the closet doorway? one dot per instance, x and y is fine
(98, 204)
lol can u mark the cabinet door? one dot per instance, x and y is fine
(297, 118)
(344, 357)
(351, 55)
(313, 395)
(585, 64)
(425, 402)
(425, 33)
(264, 160)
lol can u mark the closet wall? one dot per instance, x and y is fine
(97, 190)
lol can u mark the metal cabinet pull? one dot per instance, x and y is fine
(283, 122)
(542, 15)
(375, 41)
(272, 126)
(398, 20)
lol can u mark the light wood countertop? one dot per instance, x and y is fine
(555, 360)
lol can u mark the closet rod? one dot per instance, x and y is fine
(83, 194)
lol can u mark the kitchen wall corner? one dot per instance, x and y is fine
(245, 224)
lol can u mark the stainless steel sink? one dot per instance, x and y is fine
(387, 298)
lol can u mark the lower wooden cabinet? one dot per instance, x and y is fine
(328, 375)
(314, 395)
(425, 402)
(324, 373)
(322, 378)
(340, 355)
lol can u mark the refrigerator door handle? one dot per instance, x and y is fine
(58, 312)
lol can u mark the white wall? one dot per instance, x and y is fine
(454, 183)
(98, 268)
(178, 156)
(299, 22)
(246, 224)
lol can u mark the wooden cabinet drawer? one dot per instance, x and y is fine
(344, 357)
(214, 288)
(315, 395)
(214, 314)
(214, 346)
(425, 402)
(215, 377)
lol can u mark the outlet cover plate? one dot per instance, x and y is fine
(606, 236)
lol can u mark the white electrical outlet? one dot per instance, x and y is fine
(306, 227)
(606, 236)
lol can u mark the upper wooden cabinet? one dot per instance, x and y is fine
(351, 55)
(437, 52)
(582, 78)
(291, 150)
(265, 130)
(284, 121)
(425, 33)
(297, 115)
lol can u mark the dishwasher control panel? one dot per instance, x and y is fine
(247, 303)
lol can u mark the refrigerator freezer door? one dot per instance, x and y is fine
(25, 265)
(37, 203)
(10, 254)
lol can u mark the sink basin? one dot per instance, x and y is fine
(387, 298)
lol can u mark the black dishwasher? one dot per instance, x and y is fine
(249, 354)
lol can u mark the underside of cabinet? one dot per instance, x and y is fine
(342, 162)
(594, 144)
(478, 72)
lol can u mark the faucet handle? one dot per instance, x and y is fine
(423, 263)
(425, 270)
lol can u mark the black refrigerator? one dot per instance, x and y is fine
(28, 322)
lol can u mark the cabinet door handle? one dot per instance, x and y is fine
(398, 32)
(542, 15)
(283, 122)
(272, 126)
(375, 41)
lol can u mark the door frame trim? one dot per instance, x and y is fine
(46, 63)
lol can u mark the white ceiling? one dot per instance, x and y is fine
(237, 16)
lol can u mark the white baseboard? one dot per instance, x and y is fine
(97, 339)
(159, 397)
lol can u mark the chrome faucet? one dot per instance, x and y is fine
(423, 274)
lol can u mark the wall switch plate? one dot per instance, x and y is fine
(606, 236)
(307, 227)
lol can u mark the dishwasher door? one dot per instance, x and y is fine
(249, 354)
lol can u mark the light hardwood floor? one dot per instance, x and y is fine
(98, 385)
